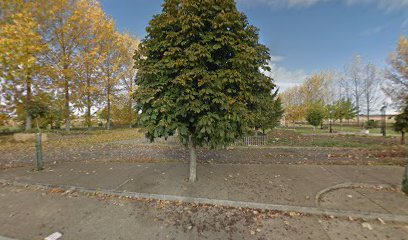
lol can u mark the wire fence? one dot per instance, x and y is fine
(253, 141)
(244, 141)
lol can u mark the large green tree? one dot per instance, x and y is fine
(200, 74)
(401, 125)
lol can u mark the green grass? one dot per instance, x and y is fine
(320, 143)
(308, 129)
(6, 129)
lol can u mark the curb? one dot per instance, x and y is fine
(227, 203)
(323, 192)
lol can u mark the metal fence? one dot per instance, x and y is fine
(245, 141)
(253, 141)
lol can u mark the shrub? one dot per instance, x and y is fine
(370, 124)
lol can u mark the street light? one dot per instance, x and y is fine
(330, 120)
(384, 119)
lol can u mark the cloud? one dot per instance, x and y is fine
(404, 24)
(372, 31)
(388, 5)
(277, 58)
(284, 78)
(283, 3)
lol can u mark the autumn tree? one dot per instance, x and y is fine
(317, 88)
(111, 65)
(21, 47)
(127, 86)
(294, 114)
(64, 29)
(90, 57)
(199, 74)
(397, 73)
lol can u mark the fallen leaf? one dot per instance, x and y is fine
(367, 225)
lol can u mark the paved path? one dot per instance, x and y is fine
(295, 185)
(33, 213)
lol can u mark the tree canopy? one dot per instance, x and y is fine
(200, 73)
(316, 114)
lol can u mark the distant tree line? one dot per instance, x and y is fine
(361, 89)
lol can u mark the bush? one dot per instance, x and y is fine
(370, 124)
(315, 116)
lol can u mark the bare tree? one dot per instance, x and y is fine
(397, 74)
(356, 81)
(371, 88)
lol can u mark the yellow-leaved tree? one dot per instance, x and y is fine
(127, 48)
(21, 50)
(64, 27)
(111, 65)
(89, 59)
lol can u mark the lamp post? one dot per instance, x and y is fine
(330, 120)
(383, 120)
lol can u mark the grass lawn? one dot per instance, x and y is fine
(308, 129)
(304, 137)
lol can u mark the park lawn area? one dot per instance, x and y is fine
(308, 129)
(61, 138)
(303, 137)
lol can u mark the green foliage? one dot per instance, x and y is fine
(401, 120)
(344, 110)
(37, 109)
(370, 124)
(315, 115)
(269, 112)
(200, 72)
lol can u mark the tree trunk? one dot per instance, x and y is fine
(368, 111)
(405, 180)
(29, 124)
(193, 160)
(108, 124)
(130, 104)
(403, 138)
(131, 114)
(108, 92)
(67, 110)
(88, 100)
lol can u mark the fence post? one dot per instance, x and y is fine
(38, 151)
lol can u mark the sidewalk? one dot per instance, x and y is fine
(34, 214)
(294, 185)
